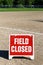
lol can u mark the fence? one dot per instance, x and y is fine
(21, 6)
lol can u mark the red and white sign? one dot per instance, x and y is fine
(21, 45)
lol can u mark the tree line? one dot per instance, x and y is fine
(21, 3)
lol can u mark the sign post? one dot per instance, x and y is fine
(21, 45)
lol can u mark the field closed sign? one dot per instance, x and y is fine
(21, 45)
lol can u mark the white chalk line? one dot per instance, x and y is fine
(21, 30)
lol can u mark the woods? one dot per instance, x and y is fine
(20, 3)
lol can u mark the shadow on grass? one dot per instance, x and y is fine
(4, 54)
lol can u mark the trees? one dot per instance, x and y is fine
(21, 2)
(38, 2)
(15, 2)
(8, 2)
(1, 2)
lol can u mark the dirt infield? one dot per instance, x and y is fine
(30, 22)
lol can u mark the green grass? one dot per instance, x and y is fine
(20, 9)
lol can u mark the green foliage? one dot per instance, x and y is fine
(26, 2)
(8, 2)
(21, 2)
(1, 2)
(38, 2)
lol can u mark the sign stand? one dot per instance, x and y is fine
(21, 45)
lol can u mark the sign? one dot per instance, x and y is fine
(21, 45)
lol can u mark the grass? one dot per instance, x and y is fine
(20, 9)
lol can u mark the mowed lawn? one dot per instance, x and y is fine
(20, 9)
